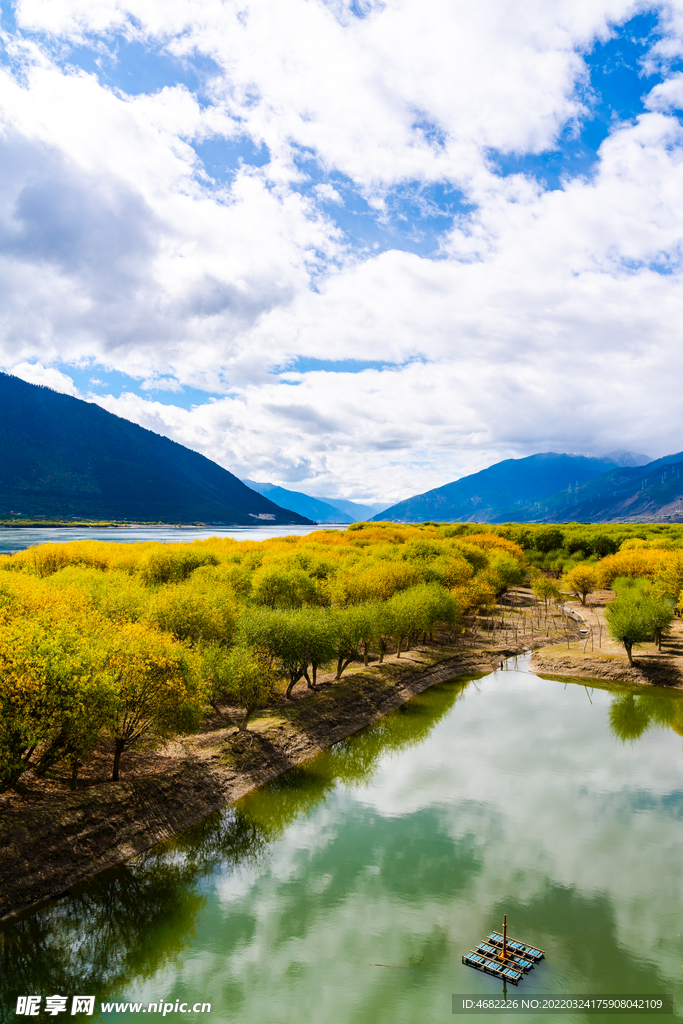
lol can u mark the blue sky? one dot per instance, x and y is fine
(359, 250)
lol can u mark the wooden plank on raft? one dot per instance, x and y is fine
(515, 946)
(488, 966)
(495, 953)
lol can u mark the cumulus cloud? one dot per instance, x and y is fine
(46, 376)
(541, 319)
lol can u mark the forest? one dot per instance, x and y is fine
(136, 643)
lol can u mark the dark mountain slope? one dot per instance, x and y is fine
(480, 497)
(649, 493)
(60, 456)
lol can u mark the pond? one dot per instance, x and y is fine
(346, 891)
(17, 538)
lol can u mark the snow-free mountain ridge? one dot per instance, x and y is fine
(63, 457)
(554, 487)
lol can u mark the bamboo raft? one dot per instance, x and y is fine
(504, 958)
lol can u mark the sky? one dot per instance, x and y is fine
(352, 247)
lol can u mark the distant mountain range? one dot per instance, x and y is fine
(322, 510)
(62, 457)
(650, 493)
(622, 486)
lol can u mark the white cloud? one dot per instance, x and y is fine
(548, 319)
(46, 376)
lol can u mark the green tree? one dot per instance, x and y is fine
(193, 614)
(50, 694)
(318, 641)
(284, 634)
(152, 690)
(172, 563)
(439, 607)
(351, 627)
(660, 609)
(508, 570)
(278, 585)
(581, 581)
(661, 616)
(545, 589)
(629, 621)
(547, 538)
(407, 618)
(242, 677)
(668, 578)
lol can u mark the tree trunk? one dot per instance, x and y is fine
(247, 715)
(343, 667)
(294, 678)
(629, 648)
(119, 747)
(365, 652)
(74, 773)
(339, 667)
(223, 714)
(398, 649)
(48, 757)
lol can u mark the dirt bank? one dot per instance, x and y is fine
(49, 844)
(597, 656)
(647, 671)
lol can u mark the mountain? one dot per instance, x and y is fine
(316, 509)
(632, 494)
(623, 458)
(61, 457)
(359, 513)
(510, 485)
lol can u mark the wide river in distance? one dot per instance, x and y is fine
(347, 890)
(18, 538)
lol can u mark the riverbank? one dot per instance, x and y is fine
(49, 845)
(596, 656)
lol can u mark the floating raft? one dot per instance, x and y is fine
(518, 948)
(494, 967)
(504, 958)
(516, 961)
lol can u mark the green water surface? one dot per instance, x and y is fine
(347, 891)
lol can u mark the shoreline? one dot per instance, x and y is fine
(647, 671)
(55, 842)
(50, 846)
(607, 659)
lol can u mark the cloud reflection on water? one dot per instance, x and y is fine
(402, 846)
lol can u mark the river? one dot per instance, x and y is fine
(18, 538)
(346, 891)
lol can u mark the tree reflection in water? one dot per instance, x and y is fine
(632, 714)
(130, 922)
(127, 922)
